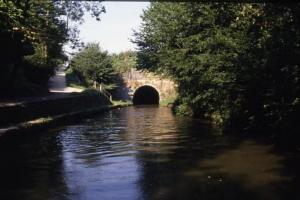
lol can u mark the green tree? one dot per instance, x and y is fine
(92, 64)
(124, 61)
(236, 63)
(195, 44)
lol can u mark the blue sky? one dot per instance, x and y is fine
(114, 31)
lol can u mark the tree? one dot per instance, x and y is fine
(193, 43)
(32, 35)
(93, 64)
(124, 61)
(237, 64)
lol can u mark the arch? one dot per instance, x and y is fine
(145, 94)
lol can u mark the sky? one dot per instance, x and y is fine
(115, 29)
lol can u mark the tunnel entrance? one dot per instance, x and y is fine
(145, 95)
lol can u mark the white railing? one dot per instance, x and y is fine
(103, 90)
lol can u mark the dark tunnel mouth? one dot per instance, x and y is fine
(146, 95)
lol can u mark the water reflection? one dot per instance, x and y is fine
(143, 153)
(31, 168)
(98, 161)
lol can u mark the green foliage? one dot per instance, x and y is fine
(235, 63)
(121, 102)
(184, 110)
(168, 101)
(92, 64)
(32, 35)
(72, 79)
(124, 61)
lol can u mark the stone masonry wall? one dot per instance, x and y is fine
(135, 79)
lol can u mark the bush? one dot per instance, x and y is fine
(183, 110)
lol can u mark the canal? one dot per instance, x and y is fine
(143, 152)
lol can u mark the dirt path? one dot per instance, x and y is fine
(57, 88)
(57, 83)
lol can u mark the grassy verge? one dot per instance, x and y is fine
(121, 103)
(72, 79)
(57, 120)
(76, 86)
(29, 117)
(167, 101)
(50, 106)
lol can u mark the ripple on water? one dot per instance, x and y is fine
(140, 153)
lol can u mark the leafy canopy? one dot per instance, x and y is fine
(236, 63)
(93, 64)
(32, 35)
(124, 61)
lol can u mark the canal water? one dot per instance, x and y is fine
(143, 153)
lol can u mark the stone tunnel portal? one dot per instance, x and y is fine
(145, 95)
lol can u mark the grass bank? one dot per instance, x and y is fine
(49, 112)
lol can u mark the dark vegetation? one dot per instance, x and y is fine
(235, 63)
(32, 35)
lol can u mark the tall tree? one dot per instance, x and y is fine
(236, 63)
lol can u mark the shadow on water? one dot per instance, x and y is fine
(31, 168)
(247, 172)
(144, 152)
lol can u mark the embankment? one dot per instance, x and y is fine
(50, 111)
